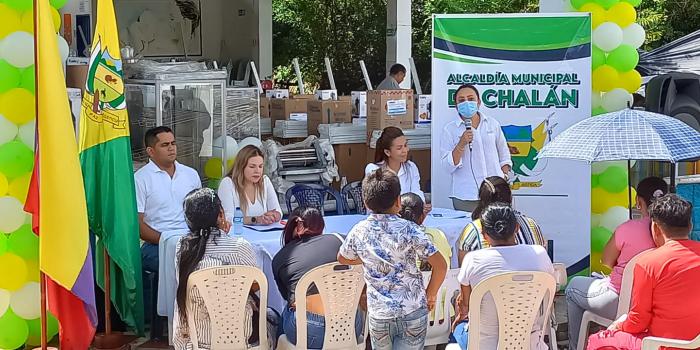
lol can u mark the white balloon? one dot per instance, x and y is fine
(25, 302)
(4, 301)
(612, 218)
(596, 100)
(8, 130)
(231, 147)
(27, 133)
(18, 49)
(63, 48)
(617, 99)
(607, 36)
(11, 214)
(254, 141)
(633, 35)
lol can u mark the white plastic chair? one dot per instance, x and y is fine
(623, 304)
(224, 290)
(562, 279)
(654, 343)
(518, 297)
(440, 319)
(340, 288)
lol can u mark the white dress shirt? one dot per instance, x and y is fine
(488, 155)
(160, 198)
(230, 199)
(409, 177)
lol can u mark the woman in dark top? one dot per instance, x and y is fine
(305, 248)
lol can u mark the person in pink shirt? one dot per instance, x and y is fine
(665, 301)
(600, 295)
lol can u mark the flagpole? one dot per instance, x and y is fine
(42, 276)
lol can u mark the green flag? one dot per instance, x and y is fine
(105, 157)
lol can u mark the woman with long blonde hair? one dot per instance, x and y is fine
(246, 187)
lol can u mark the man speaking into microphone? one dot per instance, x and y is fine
(473, 148)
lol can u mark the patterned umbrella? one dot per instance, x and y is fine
(626, 135)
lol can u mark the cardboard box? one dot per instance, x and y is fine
(389, 108)
(327, 112)
(351, 159)
(359, 103)
(76, 75)
(304, 97)
(264, 107)
(423, 109)
(282, 108)
(326, 95)
(277, 93)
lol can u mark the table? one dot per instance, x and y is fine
(267, 244)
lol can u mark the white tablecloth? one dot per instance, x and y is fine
(267, 244)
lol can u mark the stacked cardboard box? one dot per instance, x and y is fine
(327, 112)
(283, 108)
(389, 108)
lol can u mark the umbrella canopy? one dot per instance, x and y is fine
(626, 135)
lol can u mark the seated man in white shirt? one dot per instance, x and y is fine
(161, 187)
(397, 73)
(473, 147)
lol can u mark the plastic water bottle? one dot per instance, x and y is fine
(238, 222)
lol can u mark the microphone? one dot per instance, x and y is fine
(468, 124)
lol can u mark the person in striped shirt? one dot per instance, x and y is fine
(492, 190)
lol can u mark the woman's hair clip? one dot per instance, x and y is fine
(658, 193)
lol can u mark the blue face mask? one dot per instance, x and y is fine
(467, 108)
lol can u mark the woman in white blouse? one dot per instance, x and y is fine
(246, 187)
(392, 154)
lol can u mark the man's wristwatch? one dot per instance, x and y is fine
(253, 219)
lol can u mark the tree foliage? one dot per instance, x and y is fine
(347, 31)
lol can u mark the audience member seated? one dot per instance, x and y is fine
(388, 247)
(495, 189)
(161, 186)
(665, 301)
(247, 188)
(412, 209)
(207, 245)
(500, 225)
(600, 295)
(305, 248)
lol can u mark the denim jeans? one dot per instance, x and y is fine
(403, 333)
(149, 257)
(461, 335)
(592, 294)
(315, 328)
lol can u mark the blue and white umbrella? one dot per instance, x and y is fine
(626, 135)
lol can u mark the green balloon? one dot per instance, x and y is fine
(9, 76)
(57, 4)
(16, 159)
(599, 238)
(34, 325)
(598, 110)
(624, 58)
(27, 81)
(13, 330)
(578, 3)
(3, 243)
(613, 179)
(598, 57)
(634, 3)
(594, 180)
(20, 5)
(24, 243)
(606, 4)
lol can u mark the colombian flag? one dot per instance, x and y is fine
(57, 198)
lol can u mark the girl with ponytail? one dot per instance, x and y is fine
(504, 255)
(206, 245)
(413, 209)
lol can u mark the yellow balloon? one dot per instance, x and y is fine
(601, 200)
(32, 270)
(605, 78)
(212, 168)
(28, 22)
(9, 20)
(17, 105)
(622, 13)
(598, 13)
(631, 81)
(56, 19)
(3, 184)
(20, 186)
(13, 272)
